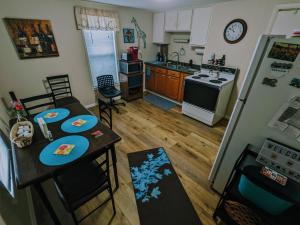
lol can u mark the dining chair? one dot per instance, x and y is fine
(106, 88)
(105, 113)
(81, 183)
(61, 89)
(35, 104)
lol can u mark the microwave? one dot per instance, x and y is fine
(131, 66)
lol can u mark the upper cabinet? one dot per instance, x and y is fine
(171, 21)
(200, 25)
(159, 34)
(184, 20)
(178, 20)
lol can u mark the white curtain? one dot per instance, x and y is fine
(96, 19)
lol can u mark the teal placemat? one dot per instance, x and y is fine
(91, 121)
(47, 156)
(62, 113)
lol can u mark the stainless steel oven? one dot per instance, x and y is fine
(130, 67)
(200, 94)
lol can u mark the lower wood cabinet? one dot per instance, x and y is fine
(161, 83)
(172, 87)
(150, 79)
(168, 83)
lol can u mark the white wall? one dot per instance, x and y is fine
(257, 14)
(25, 76)
(189, 50)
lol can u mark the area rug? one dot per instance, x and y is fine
(160, 197)
(159, 102)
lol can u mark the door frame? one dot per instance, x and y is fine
(277, 9)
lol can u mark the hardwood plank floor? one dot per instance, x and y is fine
(191, 146)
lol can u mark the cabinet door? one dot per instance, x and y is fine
(171, 20)
(149, 78)
(200, 25)
(181, 87)
(159, 34)
(161, 83)
(172, 87)
(184, 20)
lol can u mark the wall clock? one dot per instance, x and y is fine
(235, 31)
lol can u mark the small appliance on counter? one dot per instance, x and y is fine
(207, 93)
(131, 54)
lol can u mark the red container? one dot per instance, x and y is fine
(134, 52)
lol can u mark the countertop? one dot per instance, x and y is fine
(181, 68)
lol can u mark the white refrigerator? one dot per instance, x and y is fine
(257, 104)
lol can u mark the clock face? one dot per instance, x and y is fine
(235, 31)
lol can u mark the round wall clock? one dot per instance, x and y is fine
(235, 31)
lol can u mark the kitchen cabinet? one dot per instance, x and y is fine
(178, 20)
(184, 20)
(181, 86)
(150, 78)
(159, 34)
(200, 25)
(168, 83)
(171, 20)
(161, 83)
(172, 87)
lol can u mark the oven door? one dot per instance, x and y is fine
(201, 94)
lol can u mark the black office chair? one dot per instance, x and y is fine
(105, 113)
(80, 184)
(39, 101)
(107, 89)
(61, 89)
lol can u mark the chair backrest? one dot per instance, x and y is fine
(105, 113)
(60, 85)
(105, 81)
(40, 100)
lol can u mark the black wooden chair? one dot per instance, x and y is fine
(105, 113)
(39, 101)
(61, 89)
(107, 89)
(82, 183)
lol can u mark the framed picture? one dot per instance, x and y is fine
(128, 35)
(32, 38)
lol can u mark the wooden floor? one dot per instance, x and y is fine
(191, 146)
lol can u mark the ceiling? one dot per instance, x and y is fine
(160, 5)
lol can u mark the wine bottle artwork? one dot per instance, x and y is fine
(32, 38)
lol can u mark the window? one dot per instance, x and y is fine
(101, 52)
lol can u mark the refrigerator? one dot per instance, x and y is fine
(257, 104)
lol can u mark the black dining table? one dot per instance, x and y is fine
(30, 171)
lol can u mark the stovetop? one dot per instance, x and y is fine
(211, 77)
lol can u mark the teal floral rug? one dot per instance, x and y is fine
(160, 197)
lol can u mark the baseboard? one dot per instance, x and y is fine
(90, 105)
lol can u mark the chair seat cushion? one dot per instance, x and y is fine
(80, 184)
(110, 92)
(65, 101)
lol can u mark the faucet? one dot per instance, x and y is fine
(177, 54)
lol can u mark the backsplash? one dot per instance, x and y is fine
(189, 50)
